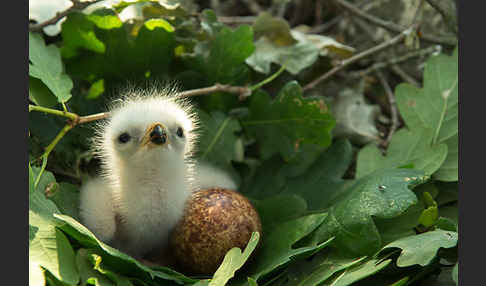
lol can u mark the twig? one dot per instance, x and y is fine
(89, 118)
(449, 41)
(66, 114)
(325, 26)
(322, 27)
(253, 5)
(237, 19)
(394, 61)
(393, 108)
(447, 9)
(404, 75)
(49, 148)
(241, 90)
(361, 55)
(77, 5)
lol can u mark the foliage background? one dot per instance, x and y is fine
(364, 161)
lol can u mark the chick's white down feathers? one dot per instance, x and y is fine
(147, 175)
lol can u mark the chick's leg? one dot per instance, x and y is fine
(97, 210)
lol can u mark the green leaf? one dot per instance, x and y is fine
(276, 43)
(252, 282)
(276, 246)
(451, 212)
(78, 32)
(266, 181)
(125, 264)
(271, 211)
(406, 147)
(38, 202)
(355, 119)
(327, 46)
(153, 49)
(49, 248)
(358, 272)
(383, 195)
(446, 224)
(321, 267)
(400, 226)
(40, 94)
(46, 65)
(66, 259)
(209, 22)
(449, 169)
(455, 272)
(159, 23)
(217, 143)
(227, 52)
(86, 269)
(321, 184)
(422, 248)
(31, 180)
(401, 282)
(448, 192)
(429, 216)
(66, 197)
(435, 106)
(115, 277)
(295, 58)
(96, 89)
(277, 30)
(234, 260)
(283, 124)
(105, 19)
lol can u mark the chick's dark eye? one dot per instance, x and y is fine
(124, 138)
(180, 132)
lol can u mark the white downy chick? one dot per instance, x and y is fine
(207, 176)
(145, 149)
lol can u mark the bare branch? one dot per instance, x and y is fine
(240, 90)
(393, 108)
(361, 55)
(449, 41)
(394, 61)
(77, 5)
(404, 75)
(253, 5)
(447, 9)
(237, 19)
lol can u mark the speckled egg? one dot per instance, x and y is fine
(215, 220)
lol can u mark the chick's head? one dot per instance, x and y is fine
(147, 130)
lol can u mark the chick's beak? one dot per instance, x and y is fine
(155, 134)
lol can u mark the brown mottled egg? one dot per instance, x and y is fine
(215, 220)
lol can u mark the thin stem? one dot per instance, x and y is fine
(69, 115)
(49, 148)
(241, 90)
(361, 55)
(449, 41)
(394, 61)
(93, 117)
(404, 75)
(64, 107)
(268, 79)
(393, 107)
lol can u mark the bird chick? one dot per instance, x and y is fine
(145, 149)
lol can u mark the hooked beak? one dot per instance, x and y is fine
(156, 134)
